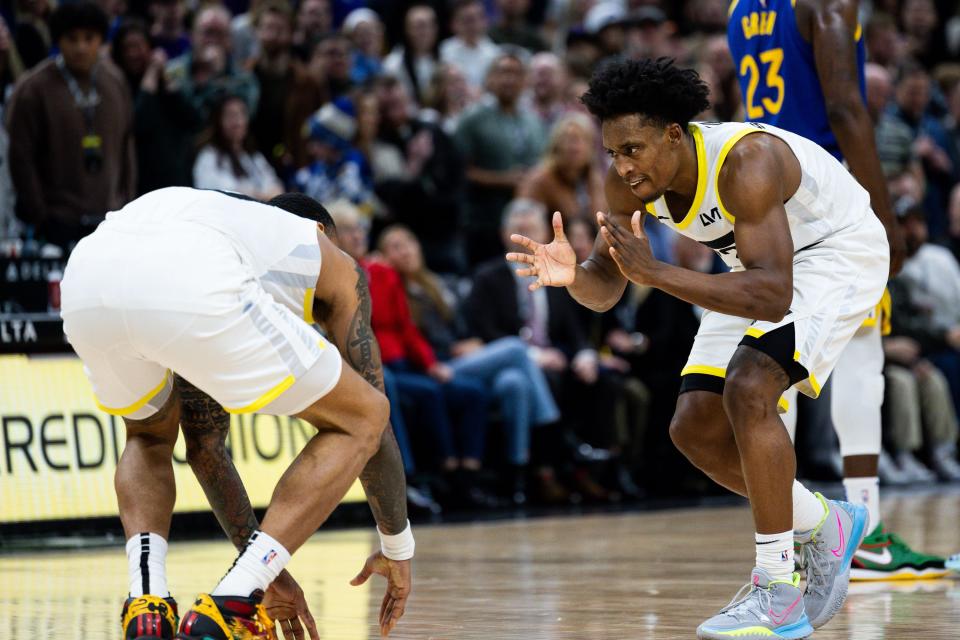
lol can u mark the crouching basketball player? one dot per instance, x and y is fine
(222, 291)
(808, 261)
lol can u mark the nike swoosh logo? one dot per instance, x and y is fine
(879, 558)
(778, 618)
(839, 550)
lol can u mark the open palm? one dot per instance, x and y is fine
(554, 264)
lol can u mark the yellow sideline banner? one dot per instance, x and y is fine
(58, 451)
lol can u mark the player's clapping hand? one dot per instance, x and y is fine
(286, 605)
(554, 264)
(397, 573)
(631, 251)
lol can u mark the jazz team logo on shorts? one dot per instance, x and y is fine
(267, 559)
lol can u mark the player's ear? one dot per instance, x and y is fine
(674, 133)
(322, 227)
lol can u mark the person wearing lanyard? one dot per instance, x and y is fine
(71, 133)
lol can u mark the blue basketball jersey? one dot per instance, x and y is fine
(777, 71)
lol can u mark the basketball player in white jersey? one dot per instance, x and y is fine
(808, 261)
(223, 291)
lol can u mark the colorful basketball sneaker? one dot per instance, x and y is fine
(885, 556)
(770, 609)
(149, 617)
(827, 554)
(227, 618)
(953, 563)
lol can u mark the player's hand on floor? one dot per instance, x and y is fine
(554, 264)
(287, 606)
(397, 573)
(631, 251)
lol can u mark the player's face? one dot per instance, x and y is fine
(644, 155)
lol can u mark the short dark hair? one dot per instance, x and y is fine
(304, 206)
(78, 15)
(654, 89)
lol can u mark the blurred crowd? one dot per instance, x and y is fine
(434, 129)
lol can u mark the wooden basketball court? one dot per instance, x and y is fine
(638, 575)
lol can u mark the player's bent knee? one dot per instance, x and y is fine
(697, 424)
(746, 399)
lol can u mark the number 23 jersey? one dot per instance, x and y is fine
(777, 71)
(828, 200)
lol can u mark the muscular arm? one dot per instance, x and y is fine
(830, 26)
(346, 315)
(760, 173)
(598, 283)
(205, 427)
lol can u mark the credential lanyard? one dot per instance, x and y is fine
(86, 102)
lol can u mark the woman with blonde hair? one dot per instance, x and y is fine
(569, 178)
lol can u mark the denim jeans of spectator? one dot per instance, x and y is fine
(454, 414)
(519, 387)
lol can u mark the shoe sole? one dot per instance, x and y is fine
(838, 594)
(906, 573)
(796, 631)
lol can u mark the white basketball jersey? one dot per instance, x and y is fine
(280, 248)
(828, 199)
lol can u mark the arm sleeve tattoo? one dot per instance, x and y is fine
(205, 427)
(383, 478)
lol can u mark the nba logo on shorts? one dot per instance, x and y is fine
(267, 559)
(783, 556)
(865, 496)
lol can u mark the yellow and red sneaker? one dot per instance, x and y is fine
(149, 617)
(227, 618)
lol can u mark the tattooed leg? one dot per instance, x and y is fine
(205, 428)
(146, 490)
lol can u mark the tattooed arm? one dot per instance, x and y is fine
(343, 307)
(205, 427)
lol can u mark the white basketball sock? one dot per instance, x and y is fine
(260, 562)
(808, 510)
(146, 564)
(865, 491)
(775, 554)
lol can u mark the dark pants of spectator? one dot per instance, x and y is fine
(454, 414)
(949, 363)
(398, 423)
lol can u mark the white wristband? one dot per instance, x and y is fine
(399, 546)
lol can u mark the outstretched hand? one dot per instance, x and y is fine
(286, 605)
(554, 264)
(397, 573)
(631, 251)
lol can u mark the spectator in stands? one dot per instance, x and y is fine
(548, 87)
(452, 407)
(923, 36)
(167, 29)
(884, 43)
(31, 31)
(512, 26)
(607, 22)
(79, 104)
(336, 168)
(385, 160)
(569, 179)
(504, 366)
(164, 122)
(414, 61)
(928, 291)
(243, 33)
(894, 137)
(426, 196)
(448, 98)
(288, 94)
(499, 142)
(11, 65)
(932, 145)
(365, 30)
(920, 412)
(650, 35)
(501, 305)
(469, 47)
(715, 53)
(207, 71)
(331, 64)
(228, 159)
(314, 21)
